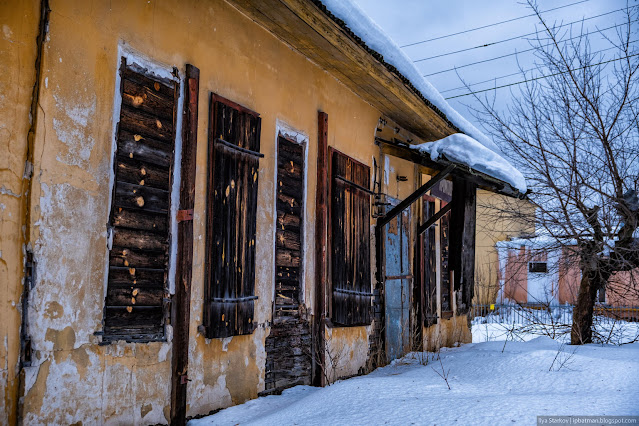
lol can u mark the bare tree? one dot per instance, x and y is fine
(573, 129)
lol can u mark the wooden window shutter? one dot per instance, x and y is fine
(350, 241)
(234, 145)
(445, 279)
(135, 308)
(429, 275)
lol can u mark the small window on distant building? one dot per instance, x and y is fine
(540, 267)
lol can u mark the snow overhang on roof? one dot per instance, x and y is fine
(469, 147)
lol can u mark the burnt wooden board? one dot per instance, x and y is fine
(290, 201)
(288, 347)
(288, 355)
(350, 241)
(234, 146)
(135, 306)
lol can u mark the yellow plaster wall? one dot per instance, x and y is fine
(126, 382)
(130, 383)
(447, 333)
(498, 218)
(18, 31)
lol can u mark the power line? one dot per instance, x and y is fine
(521, 51)
(491, 25)
(515, 38)
(540, 77)
(515, 73)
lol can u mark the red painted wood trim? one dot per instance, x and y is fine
(182, 297)
(321, 247)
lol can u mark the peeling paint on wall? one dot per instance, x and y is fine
(129, 383)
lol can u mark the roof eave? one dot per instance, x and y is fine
(336, 49)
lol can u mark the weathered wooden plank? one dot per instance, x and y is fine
(139, 240)
(288, 258)
(232, 200)
(132, 196)
(147, 99)
(139, 215)
(290, 150)
(120, 256)
(137, 296)
(134, 333)
(289, 203)
(288, 239)
(143, 174)
(133, 316)
(288, 348)
(140, 220)
(165, 88)
(139, 148)
(350, 254)
(321, 243)
(290, 189)
(285, 299)
(462, 242)
(145, 124)
(287, 281)
(293, 174)
(287, 273)
(283, 286)
(288, 222)
(136, 277)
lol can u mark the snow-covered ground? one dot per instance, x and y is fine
(491, 383)
(523, 324)
(620, 332)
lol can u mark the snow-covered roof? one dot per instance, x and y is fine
(462, 149)
(376, 39)
(536, 242)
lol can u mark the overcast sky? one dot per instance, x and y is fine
(411, 21)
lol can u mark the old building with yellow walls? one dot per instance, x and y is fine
(499, 218)
(189, 187)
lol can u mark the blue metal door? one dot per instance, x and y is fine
(397, 283)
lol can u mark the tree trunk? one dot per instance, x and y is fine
(582, 315)
(581, 332)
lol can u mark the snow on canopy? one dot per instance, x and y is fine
(375, 38)
(461, 148)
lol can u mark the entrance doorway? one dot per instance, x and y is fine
(397, 284)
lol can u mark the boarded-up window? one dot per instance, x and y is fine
(538, 267)
(350, 241)
(446, 287)
(139, 220)
(234, 145)
(289, 227)
(429, 275)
